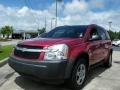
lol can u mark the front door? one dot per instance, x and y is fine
(95, 52)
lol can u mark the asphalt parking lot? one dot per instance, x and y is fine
(115, 48)
(98, 78)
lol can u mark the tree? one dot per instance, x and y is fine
(119, 35)
(3, 32)
(6, 30)
(41, 31)
(114, 35)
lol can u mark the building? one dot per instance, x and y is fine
(24, 34)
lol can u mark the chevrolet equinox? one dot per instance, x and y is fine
(66, 53)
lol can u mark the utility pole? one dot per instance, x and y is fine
(45, 23)
(56, 13)
(52, 22)
(110, 24)
(38, 28)
(56, 1)
(24, 35)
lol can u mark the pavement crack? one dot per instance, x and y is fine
(107, 78)
(6, 78)
(9, 75)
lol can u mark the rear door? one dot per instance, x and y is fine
(105, 43)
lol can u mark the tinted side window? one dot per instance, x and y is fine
(94, 34)
(107, 35)
(102, 33)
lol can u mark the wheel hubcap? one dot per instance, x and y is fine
(80, 75)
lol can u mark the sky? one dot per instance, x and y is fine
(31, 14)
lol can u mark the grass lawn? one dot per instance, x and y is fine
(1, 39)
(5, 51)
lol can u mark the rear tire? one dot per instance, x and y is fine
(79, 73)
(108, 63)
(118, 45)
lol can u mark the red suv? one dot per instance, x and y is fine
(65, 53)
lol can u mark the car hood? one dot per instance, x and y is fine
(50, 41)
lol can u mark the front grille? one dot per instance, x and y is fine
(30, 47)
(26, 54)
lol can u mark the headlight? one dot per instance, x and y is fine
(57, 52)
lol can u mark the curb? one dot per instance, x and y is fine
(3, 62)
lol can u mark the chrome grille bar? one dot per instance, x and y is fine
(30, 50)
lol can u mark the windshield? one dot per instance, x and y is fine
(66, 32)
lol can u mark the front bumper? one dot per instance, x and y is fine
(46, 70)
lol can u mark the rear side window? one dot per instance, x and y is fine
(107, 35)
(103, 33)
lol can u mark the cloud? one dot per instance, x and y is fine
(76, 7)
(75, 12)
(23, 18)
(23, 11)
(96, 4)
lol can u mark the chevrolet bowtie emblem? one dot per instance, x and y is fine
(23, 49)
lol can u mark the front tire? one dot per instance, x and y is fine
(78, 77)
(108, 63)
